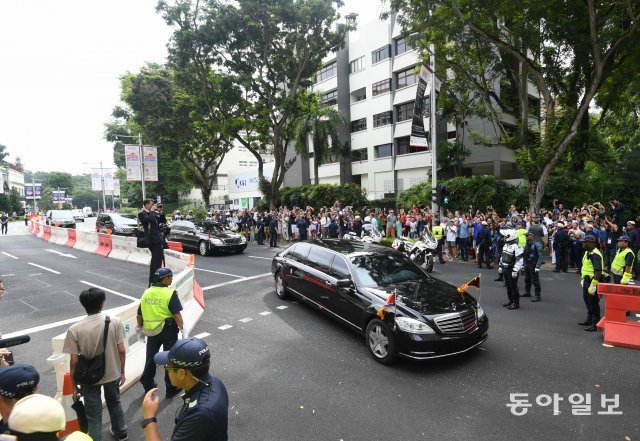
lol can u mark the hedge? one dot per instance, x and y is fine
(323, 195)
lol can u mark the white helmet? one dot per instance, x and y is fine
(367, 219)
(510, 235)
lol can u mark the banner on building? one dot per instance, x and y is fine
(132, 162)
(33, 191)
(418, 133)
(150, 164)
(248, 181)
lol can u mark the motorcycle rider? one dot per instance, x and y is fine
(511, 263)
(190, 216)
(367, 226)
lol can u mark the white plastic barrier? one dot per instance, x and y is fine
(54, 234)
(138, 255)
(91, 243)
(40, 229)
(192, 311)
(177, 261)
(62, 236)
(120, 247)
(81, 241)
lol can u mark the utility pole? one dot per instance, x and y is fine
(104, 199)
(433, 129)
(141, 150)
(33, 184)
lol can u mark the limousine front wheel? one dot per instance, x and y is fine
(281, 286)
(380, 341)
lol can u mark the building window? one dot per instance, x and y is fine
(380, 54)
(404, 111)
(359, 125)
(381, 87)
(402, 46)
(330, 98)
(452, 134)
(382, 119)
(359, 95)
(359, 155)
(383, 151)
(403, 147)
(328, 71)
(356, 65)
(406, 77)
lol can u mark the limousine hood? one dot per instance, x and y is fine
(428, 296)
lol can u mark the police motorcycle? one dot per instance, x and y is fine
(372, 237)
(423, 251)
(351, 235)
(403, 244)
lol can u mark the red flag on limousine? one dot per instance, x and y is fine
(475, 282)
(391, 303)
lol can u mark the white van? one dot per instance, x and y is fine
(87, 211)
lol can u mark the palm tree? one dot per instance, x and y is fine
(322, 126)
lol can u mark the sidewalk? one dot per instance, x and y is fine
(16, 228)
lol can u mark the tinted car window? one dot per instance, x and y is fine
(320, 259)
(384, 269)
(299, 254)
(339, 268)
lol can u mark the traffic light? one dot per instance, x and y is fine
(435, 194)
(444, 195)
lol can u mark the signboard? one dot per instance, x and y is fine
(418, 134)
(247, 181)
(108, 180)
(150, 164)
(132, 160)
(58, 196)
(32, 191)
(96, 179)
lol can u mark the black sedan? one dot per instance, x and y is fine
(352, 282)
(206, 237)
(117, 224)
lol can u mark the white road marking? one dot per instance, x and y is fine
(62, 254)
(6, 275)
(258, 257)
(245, 320)
(264, 313)
(135, 299)
(202, 335)
(57, 324)
(282, 307)
(35, 274)
(218, 272)
(10, 255)
(207, 288)
(224, 327)
(45, 268)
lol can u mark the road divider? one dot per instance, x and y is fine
(71, 239)
(104, 244)
(119, 248)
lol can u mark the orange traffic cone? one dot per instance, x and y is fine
(67, 402)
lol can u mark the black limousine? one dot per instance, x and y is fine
(206, 237)
(352, 281)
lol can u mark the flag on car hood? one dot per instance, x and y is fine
(391, 303)
(475, 282)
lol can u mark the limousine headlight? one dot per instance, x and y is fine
(243, 238)
(480, 312)
(216, 241)
(412, 326)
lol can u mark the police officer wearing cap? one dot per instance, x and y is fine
(510, 265)
(561, 244)
(622, 264)
(533, 260)
(438, 235)
(16, 382)
(592, 266)
(204, 412)
(160, 320)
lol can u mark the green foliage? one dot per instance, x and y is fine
(5, 203)
(3, 152)
(61, 180)
(129, 210)
(323, 195)
(86, 198)
(420, 195)
(382, 203)
(199, 211)
(46, 200)
(14, 199)
(451, 155)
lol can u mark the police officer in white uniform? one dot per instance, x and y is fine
(511, 262)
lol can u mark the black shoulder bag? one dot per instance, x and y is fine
(91, 370)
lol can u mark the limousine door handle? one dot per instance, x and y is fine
(328, 283)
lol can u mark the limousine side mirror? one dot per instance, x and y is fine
(344, 283)
(192, 232)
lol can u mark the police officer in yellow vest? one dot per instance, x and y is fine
(438, 235)
(623, 262)
(160, 320)
(522, 235)
(592, 265)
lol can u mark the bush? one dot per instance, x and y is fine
(129, 210)
(383, 203)
(199, 211)
(418, 194)
(323, 195)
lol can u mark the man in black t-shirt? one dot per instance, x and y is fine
(4, 220)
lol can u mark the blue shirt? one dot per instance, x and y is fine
(476, 230)
(204, 413)
(463, 230)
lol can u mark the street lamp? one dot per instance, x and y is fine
(140, 155)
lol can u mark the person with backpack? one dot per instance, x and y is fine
(98, 356)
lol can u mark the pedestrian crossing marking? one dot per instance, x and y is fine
(224, 327)
(282, 307)
(245, 320)
(265, 313)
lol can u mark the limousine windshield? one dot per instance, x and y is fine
(384, 269)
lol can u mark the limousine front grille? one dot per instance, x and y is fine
(457, 322)
(232, 240)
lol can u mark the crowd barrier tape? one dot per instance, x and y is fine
(175, 246)
(621, 321)
(183, 282)
(71, 241)
(91, 242)
(47, 233)
(119, 248)
(104, 244)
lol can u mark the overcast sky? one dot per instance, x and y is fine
(59, 67)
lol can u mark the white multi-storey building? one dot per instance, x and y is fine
(11, 178)
(373, 82)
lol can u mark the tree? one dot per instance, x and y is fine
(181, 121)
(46, 200)
(3, 152)
(322, 126)
(566, 49)
(451, 155)
(61, 180)
(14, 199)
(271, 50)
(5, 203)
